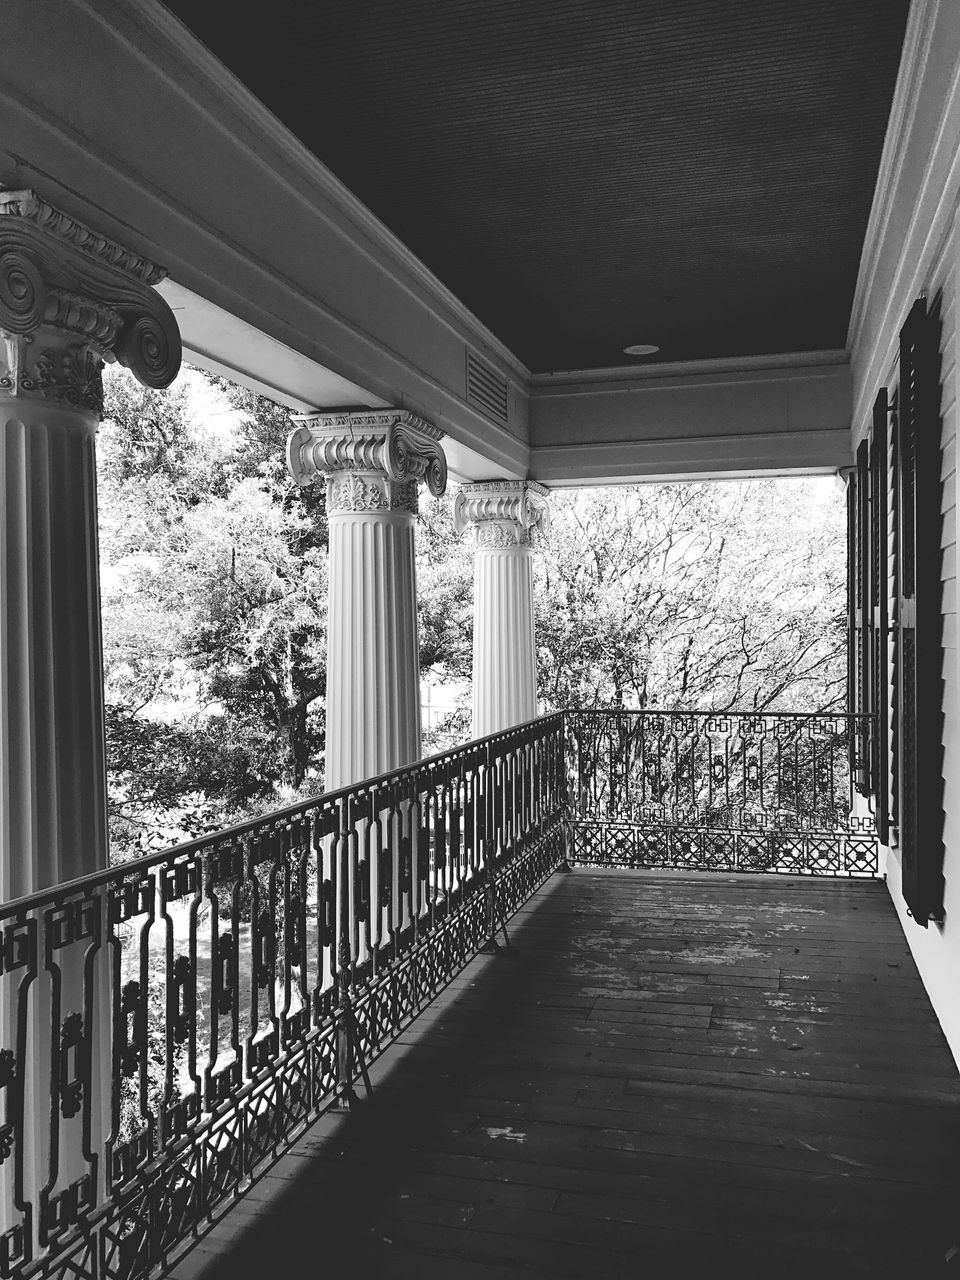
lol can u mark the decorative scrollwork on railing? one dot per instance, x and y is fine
(749, 791)
(185, 1014)
(167, 1024)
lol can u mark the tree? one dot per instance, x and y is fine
(696, 595)
(214, 577)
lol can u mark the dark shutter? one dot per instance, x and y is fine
(853, 616)
(879, 674)
(894, 612)
(859, 629)
(919, 620)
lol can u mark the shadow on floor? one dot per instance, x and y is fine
(666, 1075)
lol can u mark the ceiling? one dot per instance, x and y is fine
(588, 174)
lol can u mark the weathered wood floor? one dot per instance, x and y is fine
(667, 1075)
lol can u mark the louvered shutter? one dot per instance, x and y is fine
(853, 630)
(894, 612)
(919, 622)
(879, 674)
(859, 635)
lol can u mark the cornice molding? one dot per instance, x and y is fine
(735, 368)
(209, 70)
(915, 245)
(913, 61)
(103, 179)
(812, 452)
(61, 226)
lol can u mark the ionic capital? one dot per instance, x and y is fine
(372, 460)
(71, 298)
(504, 513)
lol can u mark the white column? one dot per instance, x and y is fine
(504, 515)
(69, 299)
(372, 463)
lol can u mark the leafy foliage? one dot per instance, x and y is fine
(214, 573)
(696, 595)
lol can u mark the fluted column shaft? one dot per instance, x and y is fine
(503, 515)
(372, 463)
(504, 652)
(373, 673)
(69, 299)
(52, 764)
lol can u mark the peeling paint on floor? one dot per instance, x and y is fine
(726, 953)
(508, 1133)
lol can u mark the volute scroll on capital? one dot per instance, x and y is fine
(71, 298)
(504, 513)
(372, 460)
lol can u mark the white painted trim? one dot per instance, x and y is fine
(930, 221)
(930, 231)
(204, 360)
(679, 378)
(395, 259)
(506, 451)
(693, 457)
(913, 60)
(594, 378)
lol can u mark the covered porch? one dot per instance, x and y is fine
(666, 1074)
(381, 966)
(329, 1027)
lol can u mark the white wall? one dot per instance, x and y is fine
(912, 246)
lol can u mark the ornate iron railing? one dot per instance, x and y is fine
(732, 791)
(169, 1025)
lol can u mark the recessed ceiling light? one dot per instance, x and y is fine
(641, 349)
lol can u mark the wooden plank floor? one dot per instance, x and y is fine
(667, 1075)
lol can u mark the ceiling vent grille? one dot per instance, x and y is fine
(486, 389)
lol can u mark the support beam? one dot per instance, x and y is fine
(372, 463)
(504, 514)
(785, 414)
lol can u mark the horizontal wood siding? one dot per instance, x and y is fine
(947, 270)
(937, 950)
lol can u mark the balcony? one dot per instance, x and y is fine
(669, 1074)
(653, 1061)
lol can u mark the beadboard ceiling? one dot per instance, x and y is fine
(588, 174)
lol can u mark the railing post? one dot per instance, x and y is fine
(562, 782)
(493, 822)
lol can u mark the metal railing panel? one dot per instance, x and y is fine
(171, 1023)
(731, 791)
